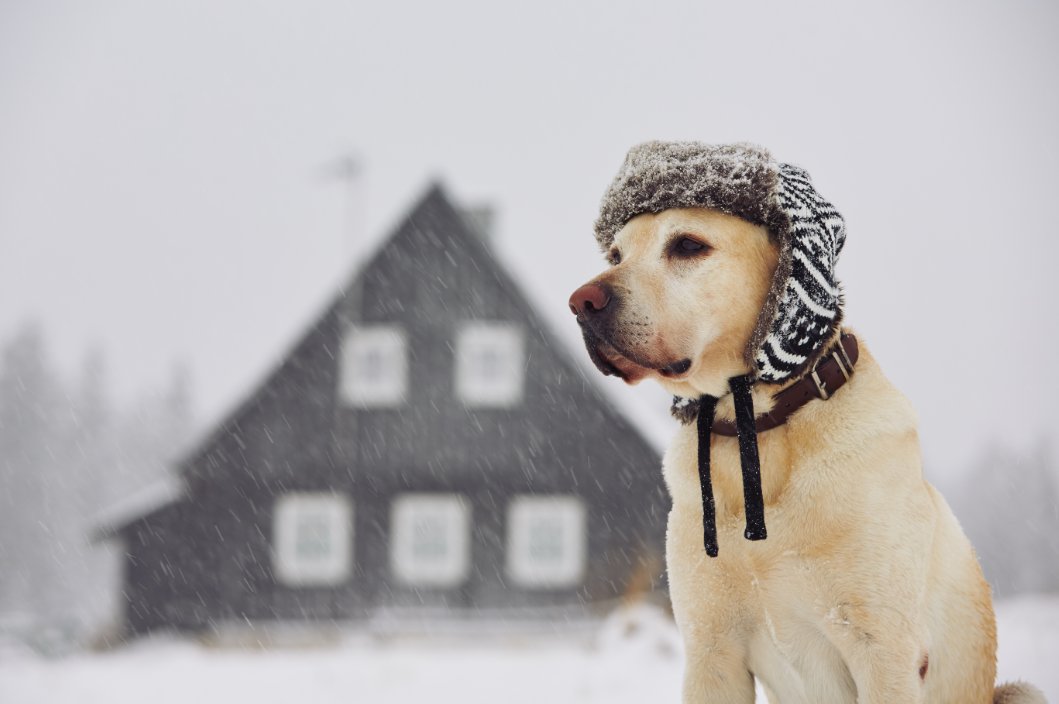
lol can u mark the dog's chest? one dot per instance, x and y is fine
(790, 654)
(779, 589)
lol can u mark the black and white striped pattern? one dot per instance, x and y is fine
(808, 310)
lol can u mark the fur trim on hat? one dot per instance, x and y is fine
(803, 308)
(734, 178)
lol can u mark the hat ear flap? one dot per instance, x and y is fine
(806, 294)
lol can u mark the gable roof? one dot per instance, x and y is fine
(444, 266)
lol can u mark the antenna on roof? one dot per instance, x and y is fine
(351, 171)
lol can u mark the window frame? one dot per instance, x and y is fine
(288, 567)
(392, 342)
(572, 511)
(474, 336)
(411, 571)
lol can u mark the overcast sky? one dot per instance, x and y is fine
(163, 192)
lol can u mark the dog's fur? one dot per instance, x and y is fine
(866, 589)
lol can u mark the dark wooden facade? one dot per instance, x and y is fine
(205, 558)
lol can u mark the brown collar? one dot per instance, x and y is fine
(830, 373)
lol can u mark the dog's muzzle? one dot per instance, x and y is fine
(596, 346)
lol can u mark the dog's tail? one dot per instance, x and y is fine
(1018, 693)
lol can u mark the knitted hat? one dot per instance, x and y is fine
(804, 304)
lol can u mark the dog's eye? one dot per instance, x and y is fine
(615, 257)
(689, 245)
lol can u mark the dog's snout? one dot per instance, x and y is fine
(589, 299)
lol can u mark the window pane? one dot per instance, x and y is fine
(546, 539)
(490, 366)
(373, 372)
(313, 538)
(429, 539)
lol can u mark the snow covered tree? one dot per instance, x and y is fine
(66, 454)
(151, 434)
(34, 499)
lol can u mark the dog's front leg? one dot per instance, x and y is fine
(715, 669)
(882, 651)
(709, 608)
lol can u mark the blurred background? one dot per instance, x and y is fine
(188, 190)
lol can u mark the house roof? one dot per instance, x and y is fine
(144, 501)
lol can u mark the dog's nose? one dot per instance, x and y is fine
(588, 299)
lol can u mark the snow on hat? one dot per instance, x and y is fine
(804, 304)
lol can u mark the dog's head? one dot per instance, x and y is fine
(722, 264)
(680, 300)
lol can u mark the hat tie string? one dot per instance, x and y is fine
(753, 499)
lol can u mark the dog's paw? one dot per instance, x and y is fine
(1018, 693)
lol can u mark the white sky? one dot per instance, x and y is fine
(161, 194)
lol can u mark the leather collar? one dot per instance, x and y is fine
(829, 374)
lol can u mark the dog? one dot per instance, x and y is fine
(865, 588)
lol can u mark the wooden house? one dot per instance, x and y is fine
(428, 444)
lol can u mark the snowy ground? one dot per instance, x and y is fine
(634, 658)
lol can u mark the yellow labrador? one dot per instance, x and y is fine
(865, 589)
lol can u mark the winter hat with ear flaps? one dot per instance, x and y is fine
(803, 309)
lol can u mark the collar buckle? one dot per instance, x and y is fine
(845, 365)
(846, 368)
(842, 367)
(821, 386)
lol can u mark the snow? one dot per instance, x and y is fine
(635, 656)
(1028, 632)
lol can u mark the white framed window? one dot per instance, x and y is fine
(430, 539)
(546, 540)
(490, 363)
(374, 366)
(312, 538)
